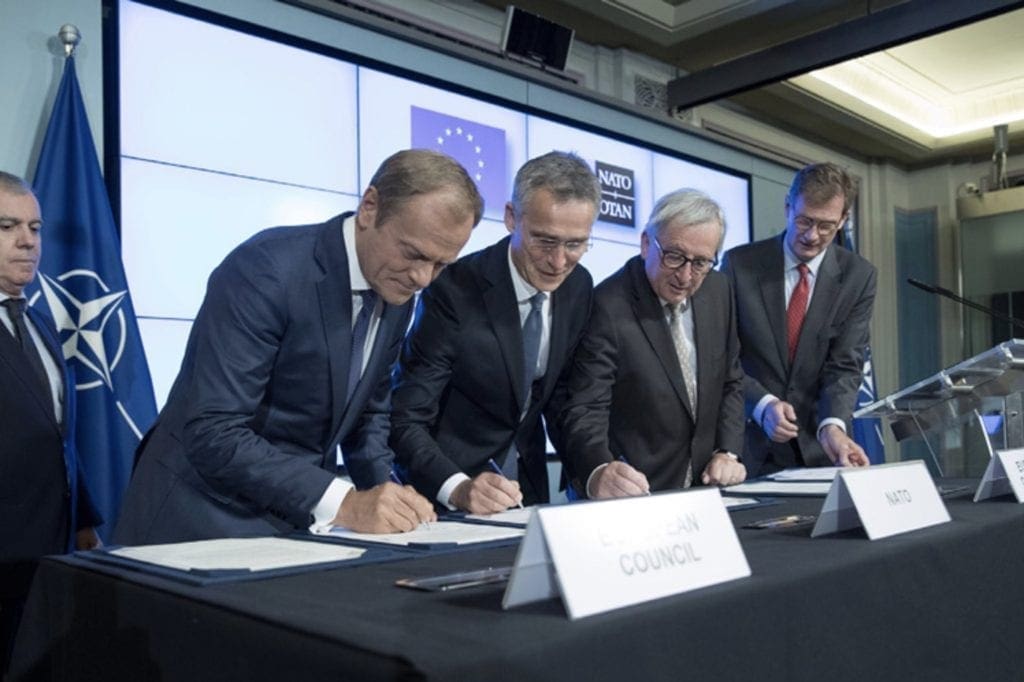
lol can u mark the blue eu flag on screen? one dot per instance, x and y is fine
(479, 148)
(81, 281)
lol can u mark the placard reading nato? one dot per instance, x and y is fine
(605, 555)
(886, 499)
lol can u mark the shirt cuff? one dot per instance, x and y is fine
(444, 495)
(831, 420)
(327, 508)
(764, 402)
(590, 478)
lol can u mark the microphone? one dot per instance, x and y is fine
(932, 289)
(921, 285)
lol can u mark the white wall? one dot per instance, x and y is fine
(31, 62)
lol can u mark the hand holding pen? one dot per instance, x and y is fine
(618, 479)
(487, 493)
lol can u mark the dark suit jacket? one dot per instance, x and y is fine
(459, 394)
(826, 372)
(43, 497)
(626, 392)
(246, 442)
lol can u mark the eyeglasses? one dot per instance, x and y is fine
(826, 228)
(573, 247)
(673, 260)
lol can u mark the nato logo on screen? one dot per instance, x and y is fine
(479, 148)
(618, 194)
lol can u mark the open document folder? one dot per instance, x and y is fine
(239, 554)
(433, 535)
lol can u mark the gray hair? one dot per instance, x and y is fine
(688, 206)
(564, 174)
(12, 184)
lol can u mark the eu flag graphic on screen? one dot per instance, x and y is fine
(81, 280)
(479, 148)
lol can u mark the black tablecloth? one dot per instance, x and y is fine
(941, 603)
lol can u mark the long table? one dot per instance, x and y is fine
(941, 603)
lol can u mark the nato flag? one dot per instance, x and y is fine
(81, 281)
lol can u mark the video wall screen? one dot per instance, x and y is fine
(224, 133)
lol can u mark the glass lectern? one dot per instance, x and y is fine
(962, 413)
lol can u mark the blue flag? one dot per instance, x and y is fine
(479, 148)
(82, 283)
(867, 431)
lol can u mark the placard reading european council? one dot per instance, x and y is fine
(605, 555)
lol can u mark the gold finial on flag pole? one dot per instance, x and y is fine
(70, 36)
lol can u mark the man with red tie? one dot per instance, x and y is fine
(803, 307)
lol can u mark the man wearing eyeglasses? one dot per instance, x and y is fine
(491, 338)
(656, 390)
(803, 307)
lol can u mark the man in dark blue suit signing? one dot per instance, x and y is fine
(288, 368)
(803, 306)
(44, 505)
(492, 337)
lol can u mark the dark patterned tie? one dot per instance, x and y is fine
(532, 327)
(359, 332)
(797, 310)
(16, 311)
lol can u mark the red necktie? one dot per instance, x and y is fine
(797, 310)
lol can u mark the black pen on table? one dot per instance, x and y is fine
(497, 469)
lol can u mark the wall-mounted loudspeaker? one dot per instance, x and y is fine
(535, 38)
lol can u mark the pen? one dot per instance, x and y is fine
(497, 469)
(396, 479)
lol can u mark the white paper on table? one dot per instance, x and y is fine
(739, 501)
(775, 488)
(254, 554)
(519, 517)
(806, 474)
(436, 533)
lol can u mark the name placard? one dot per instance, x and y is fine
(1003, 475)
(605, 555)
(887, 499)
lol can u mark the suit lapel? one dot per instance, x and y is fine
(771, 281)
(559, 340)
(503, 312)
(11, 352)
(651, 317)
(334, 295)
(52, 342)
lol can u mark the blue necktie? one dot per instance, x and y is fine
(16, 311)
(532, 328)
(359, 332)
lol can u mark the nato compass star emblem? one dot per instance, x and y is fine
(83, 324)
